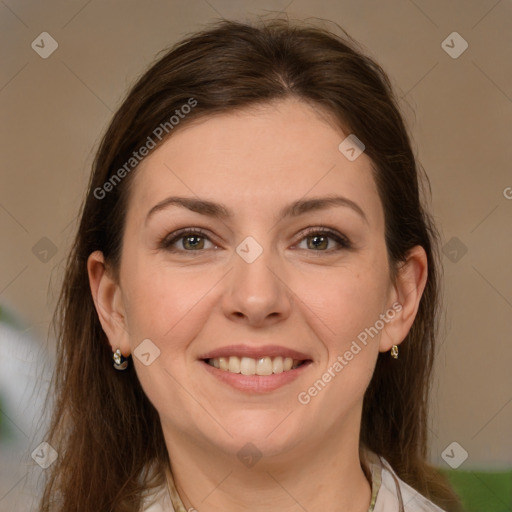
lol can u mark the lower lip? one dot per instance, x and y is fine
(256, 383)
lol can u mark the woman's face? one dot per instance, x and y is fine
(260, 280)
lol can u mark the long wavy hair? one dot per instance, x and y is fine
(107, 433)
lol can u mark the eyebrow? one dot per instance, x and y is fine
(218, 210)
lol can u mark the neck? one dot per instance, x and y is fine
(325, 475)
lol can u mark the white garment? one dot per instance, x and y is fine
(384, 491)
(388, 499)
(162, 501)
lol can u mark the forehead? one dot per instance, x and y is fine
(255, 159)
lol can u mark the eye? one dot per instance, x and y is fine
(317, 239)
(192, 240)
(195, 240)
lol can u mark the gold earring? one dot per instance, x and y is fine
(120, 362)
(394, 351)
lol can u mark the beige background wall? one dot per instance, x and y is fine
(54, 111)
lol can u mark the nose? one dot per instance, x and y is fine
(256, 291)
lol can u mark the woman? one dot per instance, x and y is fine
(248, 317)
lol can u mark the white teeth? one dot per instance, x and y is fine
(234, 364)
(277, 365)
(249, 366)
(264, 366)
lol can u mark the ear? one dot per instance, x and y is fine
(108, 301)
(405, 296)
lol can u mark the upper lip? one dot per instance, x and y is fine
(255, 352)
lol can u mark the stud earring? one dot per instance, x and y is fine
(120, 362)
(394, 351)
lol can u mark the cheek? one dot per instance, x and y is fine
(169, 308)
(162, 302)
(342, 310)
(344, 303)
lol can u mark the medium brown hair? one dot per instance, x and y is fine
(104, 428)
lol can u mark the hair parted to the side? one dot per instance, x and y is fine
(104, 428)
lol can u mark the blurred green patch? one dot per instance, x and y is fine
(482, 491)
(6, 432)
(8, 317)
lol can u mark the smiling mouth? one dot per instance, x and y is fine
(261, 366)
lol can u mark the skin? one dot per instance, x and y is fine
(316, 300)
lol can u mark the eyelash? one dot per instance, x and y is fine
(167, 241)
